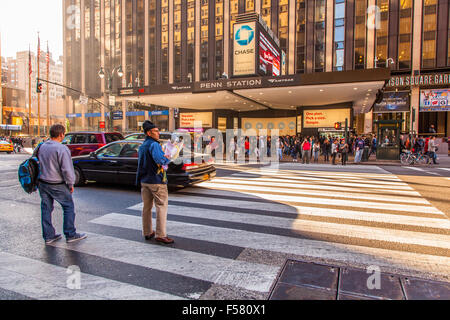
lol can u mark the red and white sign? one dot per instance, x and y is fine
(102, 124)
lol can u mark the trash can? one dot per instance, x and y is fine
(365, 156)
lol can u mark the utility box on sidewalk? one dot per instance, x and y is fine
(388, 139)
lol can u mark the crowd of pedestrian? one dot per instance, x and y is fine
(308, 149)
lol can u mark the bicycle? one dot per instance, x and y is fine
(409, 158)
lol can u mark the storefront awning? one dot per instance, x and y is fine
(358, 88)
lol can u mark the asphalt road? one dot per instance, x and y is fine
(232, 234)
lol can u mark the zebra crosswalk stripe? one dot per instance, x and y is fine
(44, 281)
(288, 245)
(223, 271)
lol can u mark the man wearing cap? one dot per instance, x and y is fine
(152, 177)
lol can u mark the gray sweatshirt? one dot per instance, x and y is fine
(56, 163)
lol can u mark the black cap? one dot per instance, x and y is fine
(148, 125)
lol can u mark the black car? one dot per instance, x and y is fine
(118, 162)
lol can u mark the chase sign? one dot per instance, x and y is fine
(245, 35)
(244, 49)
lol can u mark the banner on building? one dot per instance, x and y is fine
(244, 55)
(434, 100)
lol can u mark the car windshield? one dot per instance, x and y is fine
(112, 137)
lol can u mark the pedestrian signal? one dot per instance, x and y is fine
(338, 126)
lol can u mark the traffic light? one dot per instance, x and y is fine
(39, 87)
(338, 126)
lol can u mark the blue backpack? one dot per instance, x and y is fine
(29, 172)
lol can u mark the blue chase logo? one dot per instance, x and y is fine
(245, 35)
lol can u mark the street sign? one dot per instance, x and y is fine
(112, 101)
(117, 115)
(84, 100)
(102, 124)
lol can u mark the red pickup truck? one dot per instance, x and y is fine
(83, 143)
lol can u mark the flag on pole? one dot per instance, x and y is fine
(47, 58)
(30, 68)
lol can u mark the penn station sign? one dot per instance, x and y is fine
(247, 83)
(437, 79)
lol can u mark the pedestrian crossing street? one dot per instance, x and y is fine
(228, 231)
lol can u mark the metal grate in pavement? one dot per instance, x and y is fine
(301, 280)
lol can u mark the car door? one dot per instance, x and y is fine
(129, 158)
(103, 166)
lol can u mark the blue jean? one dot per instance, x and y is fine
(62, 195)
(358, 156)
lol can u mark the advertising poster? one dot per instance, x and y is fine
(325, 118)
(269, 58)
(393, 102)
(434, 100)
(187, 120)
(244, 56)
(286, 126)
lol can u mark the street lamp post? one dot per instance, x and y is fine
(110, 79)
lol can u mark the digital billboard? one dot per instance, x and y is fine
(393, 102)
(269, 58)
(434, 100)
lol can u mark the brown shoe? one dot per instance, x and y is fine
(150, 237)
(165, 240)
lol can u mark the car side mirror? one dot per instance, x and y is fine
(93, 155)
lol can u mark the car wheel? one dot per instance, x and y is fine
(79, 178)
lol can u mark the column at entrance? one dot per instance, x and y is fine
(415, 104)
(368, 123)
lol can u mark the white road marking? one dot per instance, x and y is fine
(259, 241)
(39, 280)
(241, 274)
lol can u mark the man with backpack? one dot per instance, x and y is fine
(56, 182)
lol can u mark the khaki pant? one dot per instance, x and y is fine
(159, 194)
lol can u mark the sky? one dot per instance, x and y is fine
(21, 20)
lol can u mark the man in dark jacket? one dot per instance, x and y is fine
(151, 175)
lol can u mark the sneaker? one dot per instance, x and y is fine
(56, 238)
(77, 237)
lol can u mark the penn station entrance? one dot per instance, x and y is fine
(310, 104)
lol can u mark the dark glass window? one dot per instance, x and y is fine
(382, 33)
(339, 35)
(405, 32)
(360, 34)
(319, 35)
(301, 35)
(429, 33)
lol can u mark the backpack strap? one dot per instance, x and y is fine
(36, 151)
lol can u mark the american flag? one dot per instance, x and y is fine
(47, 58)
(30, 68)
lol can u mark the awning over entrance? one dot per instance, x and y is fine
(358, 88)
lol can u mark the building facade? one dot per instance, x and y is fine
(160, 42)
(17, 111)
